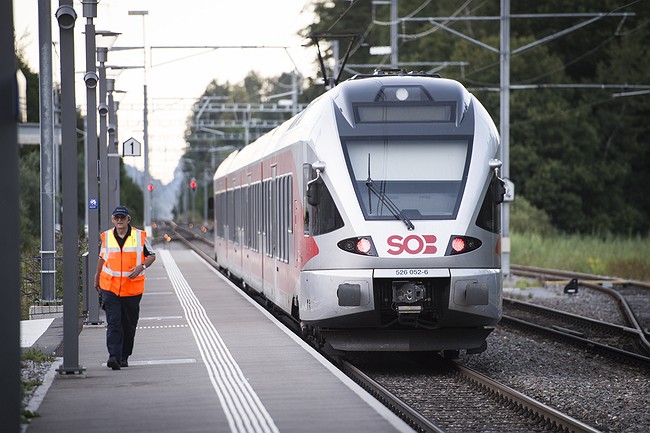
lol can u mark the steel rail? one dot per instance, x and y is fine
(394, 403)
(532, 406)
(594, 282)
(582, 321)
(574, 338)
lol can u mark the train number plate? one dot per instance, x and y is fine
(411, 273)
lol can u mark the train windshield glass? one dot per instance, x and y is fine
(422, 178)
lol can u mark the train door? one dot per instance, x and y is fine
(235, 229)
(284, 217)
(277, 236)
(273, 235)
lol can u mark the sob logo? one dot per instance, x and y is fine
(412, 244)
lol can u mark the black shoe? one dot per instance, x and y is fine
(112, 363)
(124, 362)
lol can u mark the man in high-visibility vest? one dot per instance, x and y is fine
(124, 255)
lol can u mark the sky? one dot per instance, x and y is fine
(176, 78)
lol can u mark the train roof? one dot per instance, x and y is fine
(360, 88)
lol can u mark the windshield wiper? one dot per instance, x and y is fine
(396, 211)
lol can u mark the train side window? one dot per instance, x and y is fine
(286, 222)
(255, 214)
(231, 216)
(220, 212)
(238, 216)
(247, 216)
(321, 214)
(267, 228)
(489, 217)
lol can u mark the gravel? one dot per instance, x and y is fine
(36, 377)
(608, 395)
(598, 391)
(587, 302)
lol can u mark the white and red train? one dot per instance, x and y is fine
(372, 217)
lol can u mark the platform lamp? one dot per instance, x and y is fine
(105, 41)
(91, 80)
(66, 17)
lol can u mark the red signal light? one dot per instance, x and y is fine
(150, 187)
(193, 184)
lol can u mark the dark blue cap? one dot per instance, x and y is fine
(121, 210)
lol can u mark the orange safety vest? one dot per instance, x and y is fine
(119, 262)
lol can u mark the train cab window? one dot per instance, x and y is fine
(422, 178)
(321, 214)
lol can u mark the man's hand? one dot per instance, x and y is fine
(135, 271)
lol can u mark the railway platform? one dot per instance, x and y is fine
(206, 359)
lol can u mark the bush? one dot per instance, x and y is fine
(526, 218)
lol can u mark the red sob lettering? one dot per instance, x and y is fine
(412, 244)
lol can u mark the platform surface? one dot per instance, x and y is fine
(206, 359)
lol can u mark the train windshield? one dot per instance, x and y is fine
(421, 179)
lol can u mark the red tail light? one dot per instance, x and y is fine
(462, 244)
(458, 245)
(361, 245)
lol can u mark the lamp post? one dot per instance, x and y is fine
(145, 132)
(104, 43)
(92, 170)
(66, 17)
(48, 250)
(113, 154)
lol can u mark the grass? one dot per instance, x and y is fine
(36, 356)
(28, 386)
(608, 255)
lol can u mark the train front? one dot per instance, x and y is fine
(405, 218)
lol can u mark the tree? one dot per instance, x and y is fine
(579, 155)
(132, 197)
(208, 146)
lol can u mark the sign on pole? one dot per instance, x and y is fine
(131, 147)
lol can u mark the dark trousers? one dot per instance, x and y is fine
(122, 313)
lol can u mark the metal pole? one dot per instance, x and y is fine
(505, 131)
(48, 250)
(113, 155)
(147, 193)
(66, 17)
(92, 173)
(145, 186)
(393, 35)
(102, 55)
(186, 190)
(118, 166)
(9, 239)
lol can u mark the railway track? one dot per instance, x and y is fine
(459, 399)
(631, 298)
(484, 401)
(615, 340)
